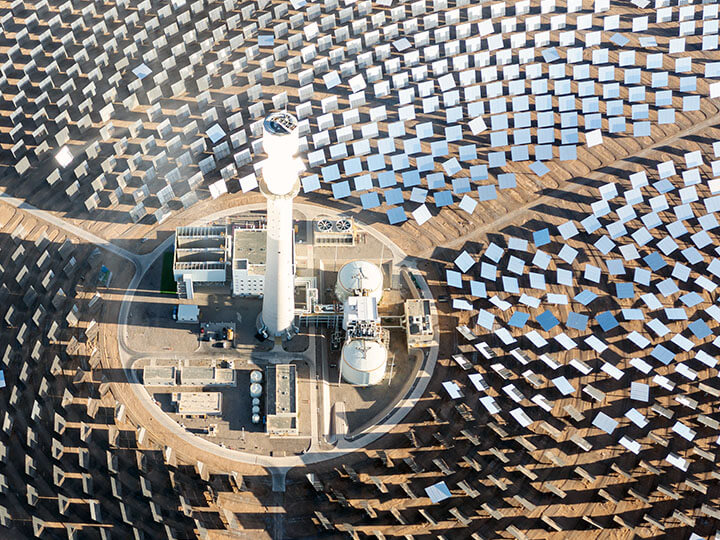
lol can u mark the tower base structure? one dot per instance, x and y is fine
(278, 311)
(264, 331)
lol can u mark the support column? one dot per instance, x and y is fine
(280, 184)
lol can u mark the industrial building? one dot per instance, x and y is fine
(201, 254)
(417, 318)
(207, 376)
(248, 260)
(188, 313)
(359, 310)
(198, 403)
(281, 400)
(159, 375)
(331, 231)
(364, 355)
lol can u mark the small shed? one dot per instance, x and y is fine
(188, 313)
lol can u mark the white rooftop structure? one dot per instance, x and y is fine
(359, 309)
(198, 403)
(359, 277)
(188, 313)
(363, 362)
(159, 375)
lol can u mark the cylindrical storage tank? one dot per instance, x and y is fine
(363, 362)
(256, 410)
(255, 390)
(255, 402)
(256, 376)
(255, 418)
(358, 276)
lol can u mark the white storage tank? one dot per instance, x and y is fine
(359, 278)
(255, 390)
(255, 402)
(363, 362)
(255, 418)
(256, 376)
(256, 410)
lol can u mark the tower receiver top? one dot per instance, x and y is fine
(281, 142)
(280, 123)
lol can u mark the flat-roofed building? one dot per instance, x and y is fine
(201, 254)
(198, 403)
(159, 376)
(248, 262)
(224, 377)
(188, 313)
(359, 310)
(281, 400)
(418, 323)
(206, 376)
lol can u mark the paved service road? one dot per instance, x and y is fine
(69, 227)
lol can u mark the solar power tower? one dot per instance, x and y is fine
(280, 184)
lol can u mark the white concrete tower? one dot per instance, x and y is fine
(280, 184)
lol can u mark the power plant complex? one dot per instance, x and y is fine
(276, 290)
(348, 269)
(261, 254)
